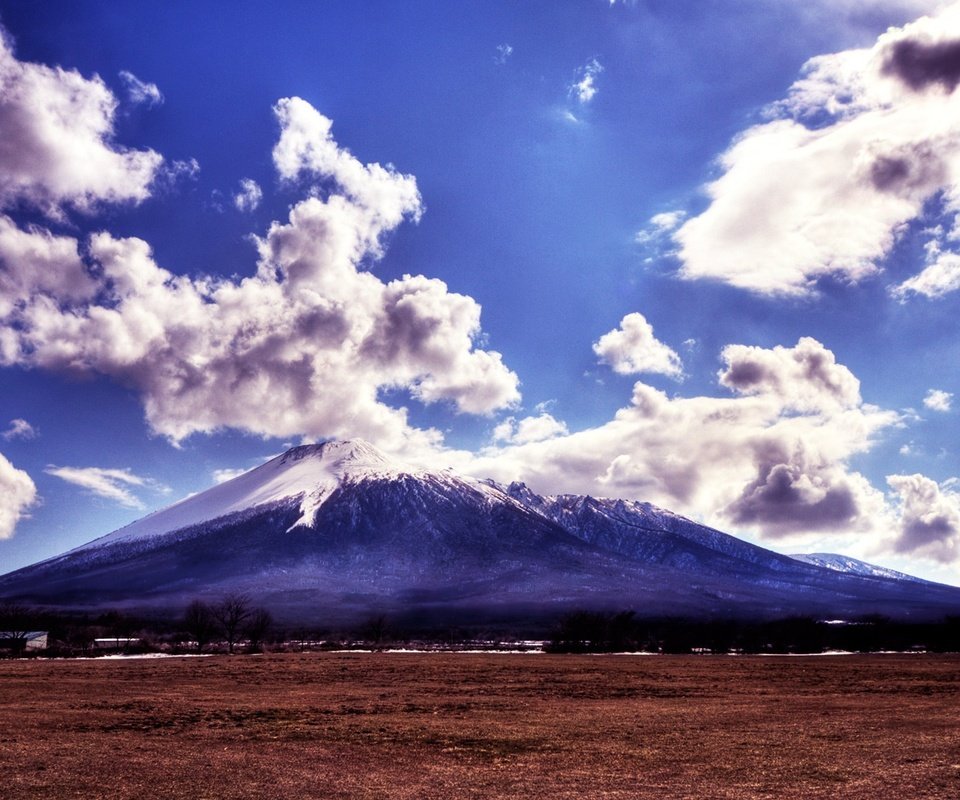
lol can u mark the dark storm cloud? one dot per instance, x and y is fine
(920, 64)
(887, 173)
(744, 375)
(783, 500)
(916, 533)
(908, 169)
(929, 517)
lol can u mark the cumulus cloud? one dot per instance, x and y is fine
(17, 494)
(19, 429)
(249, 196)
(35, 262)
(632, 348)
(304, 347)
(584, 88)
(773, 458)
(56, 141)
(938, 400)
(378, 197)
(862, 142)
(805, 378)
(940, 276)
(110, 484)
(140, 92)
(929, 520)
(504, 51)
(529, 429)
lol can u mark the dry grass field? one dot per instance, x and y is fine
(389, 725)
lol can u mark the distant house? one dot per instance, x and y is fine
(116, 643)
(18, 641)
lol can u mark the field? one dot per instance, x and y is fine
(391, 725)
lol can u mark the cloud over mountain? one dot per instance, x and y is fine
(312, 335)
(774, 458)
(929, 518)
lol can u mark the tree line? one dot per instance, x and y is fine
(232, 621)
(611, 632)
(235, 624)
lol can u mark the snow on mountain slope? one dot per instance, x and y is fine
(853, 566)
(646, 532)
(338, 527)
(310, 472)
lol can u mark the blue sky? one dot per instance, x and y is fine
(701, 253)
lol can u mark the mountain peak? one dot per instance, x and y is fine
(339, 454)
(309, 472)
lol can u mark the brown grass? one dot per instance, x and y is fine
(364, 725)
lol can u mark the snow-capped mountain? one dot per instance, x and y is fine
(309, 474)
(853, 566)
(337, 531)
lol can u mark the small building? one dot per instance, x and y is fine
(116, 643)
(18, 641)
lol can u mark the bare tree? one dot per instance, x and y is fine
(231, 613)
(15, 622)
(80, 637)
(257, 627)
(376, 630)
(199, 622)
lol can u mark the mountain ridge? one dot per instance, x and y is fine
(339, 526)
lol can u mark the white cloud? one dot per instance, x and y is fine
(938, 400)
(17, 494)
(249, 196)
(940, 276)
(504, 51)
(224, 475)
(529, 429)
(929, 518)
(659, 226)
(773, 459)
(667, 220)
(19, 429)
(584, 89)
(110, 484)
(376, 198)
(804, 378)
(139, 92)
(864, 139)
(56, 149)
(36, 262)
(303, 347)
(633, 348)
(188, 169)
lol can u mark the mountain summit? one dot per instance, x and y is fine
(309, 473)
(337, 531)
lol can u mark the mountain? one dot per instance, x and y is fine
(335, 532)
(853, 566)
